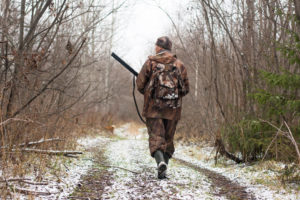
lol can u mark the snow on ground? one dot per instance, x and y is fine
(133, 155)
(80, 167)
(63, 184)
(134, 172)
(248, 176)
(137, 158)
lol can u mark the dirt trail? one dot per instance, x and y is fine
(229, 189)
(123, 169)
(119, 166)
(92, 184)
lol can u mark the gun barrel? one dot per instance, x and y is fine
(122, 62)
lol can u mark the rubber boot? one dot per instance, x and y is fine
(161, 164)
(167, 157)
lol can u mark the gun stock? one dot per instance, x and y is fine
(122, 62)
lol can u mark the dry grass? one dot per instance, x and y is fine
(21, 164)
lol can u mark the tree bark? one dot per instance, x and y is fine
(21, 36)
(297, 12)
(19, 62)
(215, 61)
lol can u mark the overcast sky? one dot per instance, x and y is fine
(143, 22)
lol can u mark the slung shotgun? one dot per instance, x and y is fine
(122, 62)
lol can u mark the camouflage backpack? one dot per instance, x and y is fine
(166, 86)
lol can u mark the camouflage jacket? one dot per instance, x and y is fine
(144, 78)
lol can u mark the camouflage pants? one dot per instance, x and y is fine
(161, 134)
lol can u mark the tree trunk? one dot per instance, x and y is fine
(19, 60)
(297, 12)
(21, 36)
(214, 60)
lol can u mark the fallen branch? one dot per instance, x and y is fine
(40, 142)
(221, 149)
(34, 183)
(66, 167)
(49, 152)
(30, 192)
(23, 180)
(71, 156)
(14, 180)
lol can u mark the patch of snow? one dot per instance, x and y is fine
(88, 142)
(182, 183)
(244, 175)
(63, 184)
(134, 155)
(130, 153)
(122, 130)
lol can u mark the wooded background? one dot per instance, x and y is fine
(243, 61)
(242, 58)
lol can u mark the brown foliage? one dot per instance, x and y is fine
(51, 80)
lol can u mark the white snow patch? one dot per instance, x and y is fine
(132, 153)
(63, 184)
(121, 131)
(183, 182)
(244, 175)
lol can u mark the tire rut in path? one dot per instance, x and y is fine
(92, 184)
(228, 188)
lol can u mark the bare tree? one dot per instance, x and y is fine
(52, 55)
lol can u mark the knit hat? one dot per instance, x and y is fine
(164, 42)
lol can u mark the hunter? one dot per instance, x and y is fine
(163, 81)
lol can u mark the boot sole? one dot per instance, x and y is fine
(162, 169)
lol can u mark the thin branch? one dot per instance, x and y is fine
(30, 192)
(49, 82)
(288, 134)
(175, 27)
(275, 137)
(35, 142)
(14, 180)
(49, 152)
(23, 180)
(40, 142)
(291, 137)
(36, 21)
(34, 183)
(278, 129)
(14, 119)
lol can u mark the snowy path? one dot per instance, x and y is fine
(125, 170)
(119, 166)
(182, 183)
